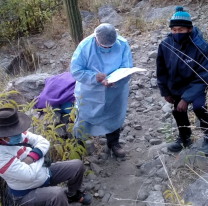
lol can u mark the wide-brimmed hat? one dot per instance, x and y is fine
(13, 122)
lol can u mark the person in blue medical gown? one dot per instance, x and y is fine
(101, 106)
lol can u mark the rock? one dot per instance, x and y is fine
(105, 149)
(49, 44)
(106, 197)
(158, 187)
(92, 159)
(158, 179)
(135, 47)
(155, 198)
(139, 97)
(149, 99)
(155, 141)
(144, 60)
(65, 61)
(153, 82)
(122, 141)
(96, 195)
(90, 146)
(148, 166)
(152, 54)
(30, 86)
(61, 131)
(153, 151)
(103, 156)
(148, 74)
(91, 176)
(192, 157)
(153, 40)
(142, 195)
(138, 149)
(88, 185)
(107, 14)
(95, 168)
(97, 187)
(162, 174)
(130, 138)
(167, 108)
(103, 141)
(138, 127)
(159, 13)
(196, 192)
(88, 17)
(134, 87)
(101, 193)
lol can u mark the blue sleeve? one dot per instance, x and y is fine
(198, 86)
(79, 70)
(127, 62)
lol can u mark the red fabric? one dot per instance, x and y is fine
(6, 166)
(25, 140)
(20, 152)
(34, 156)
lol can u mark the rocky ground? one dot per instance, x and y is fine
(142, 174)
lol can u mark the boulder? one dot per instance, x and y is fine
(167, 108)
(30, 86)
(95, 168)
(107, 14)
(196, 193)
(155, 198)
(159, 13)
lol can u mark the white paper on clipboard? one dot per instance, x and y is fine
(122, 73)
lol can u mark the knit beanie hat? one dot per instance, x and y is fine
(181, 18)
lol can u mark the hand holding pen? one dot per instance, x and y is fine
(102, 78)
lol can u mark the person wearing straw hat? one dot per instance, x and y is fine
(182, 76)
(29, 179)
(101, 106)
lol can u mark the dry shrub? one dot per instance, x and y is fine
(57, 26)
(93, 5)
(142, 25)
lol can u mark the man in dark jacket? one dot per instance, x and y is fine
(182, 76)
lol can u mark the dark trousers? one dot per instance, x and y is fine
(198, 108)
(70, 171)
(113, 138)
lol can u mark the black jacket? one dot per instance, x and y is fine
(174, 77)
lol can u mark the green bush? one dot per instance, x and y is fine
(20, 17)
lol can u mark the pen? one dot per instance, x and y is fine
(96, 69)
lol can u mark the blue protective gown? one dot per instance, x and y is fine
(102, 109)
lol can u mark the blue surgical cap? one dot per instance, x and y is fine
(106, 35)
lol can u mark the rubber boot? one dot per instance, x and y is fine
(183, 140)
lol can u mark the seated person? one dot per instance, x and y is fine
(58, 93)
(30, 181)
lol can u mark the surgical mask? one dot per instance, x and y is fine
(104, 50)
(15, 139)
(181, 37)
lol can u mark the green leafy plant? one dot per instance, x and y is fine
(46, 125)
(20, 17)
(167, 130)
